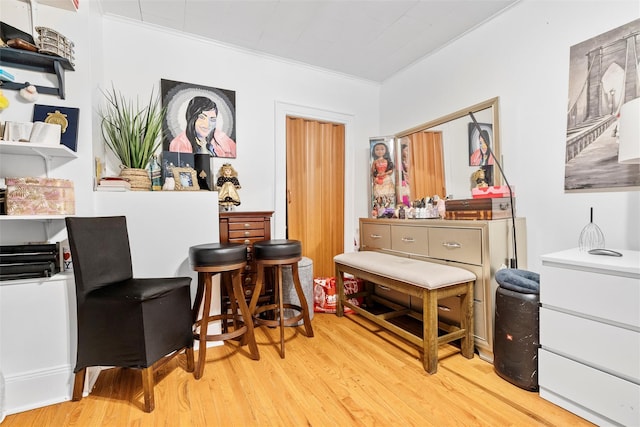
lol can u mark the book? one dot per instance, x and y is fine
(114, 183)
(36, 132)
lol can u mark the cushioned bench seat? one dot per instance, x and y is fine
(427, 280)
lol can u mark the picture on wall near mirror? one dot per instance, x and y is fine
(199, 119)
(480, 144)
(603, 125)
(383, 179)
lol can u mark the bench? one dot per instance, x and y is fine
(427, 280)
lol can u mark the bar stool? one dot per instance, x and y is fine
(277, 254)
(228, 260)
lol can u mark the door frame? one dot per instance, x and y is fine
(284, 109)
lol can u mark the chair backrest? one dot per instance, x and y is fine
(100, 252)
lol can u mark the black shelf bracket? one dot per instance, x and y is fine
(33, 61)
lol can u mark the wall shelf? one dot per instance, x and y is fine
(34, 149)
(39, 62)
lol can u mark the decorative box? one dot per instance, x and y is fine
(40, 196)
(487, 208)
(493, 191)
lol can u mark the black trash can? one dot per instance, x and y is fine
(517, 327)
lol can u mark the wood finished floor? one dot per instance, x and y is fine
(350, 374)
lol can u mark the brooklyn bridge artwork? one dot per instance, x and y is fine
(603, 80)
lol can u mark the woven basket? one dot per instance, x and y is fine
(138, 178)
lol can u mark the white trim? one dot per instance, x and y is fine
(284, 109)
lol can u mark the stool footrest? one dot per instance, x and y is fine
(289, 321)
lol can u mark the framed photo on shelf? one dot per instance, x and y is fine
(186, 179)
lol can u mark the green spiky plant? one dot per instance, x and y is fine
(133, 133)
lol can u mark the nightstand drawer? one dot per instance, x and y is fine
(246, 225)
(455, 244)
(610, 348)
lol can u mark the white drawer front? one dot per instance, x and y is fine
(456, 244)
(602, 393)
(609, 297)
(610, 348)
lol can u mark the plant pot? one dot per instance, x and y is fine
(138, 178)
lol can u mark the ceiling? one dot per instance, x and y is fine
(368, 39)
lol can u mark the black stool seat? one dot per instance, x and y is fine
(217, 254)
(228, 260)
(277, 249)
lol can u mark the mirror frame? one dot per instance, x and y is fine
(494, 103)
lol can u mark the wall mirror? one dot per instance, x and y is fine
(442, 156)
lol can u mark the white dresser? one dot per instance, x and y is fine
(589, 361)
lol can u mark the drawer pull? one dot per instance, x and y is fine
(384, 288)
(443, 308)
(248, 292)
(451, 245)
(375, 236)
(247, 233)
(247, 225)
(408, 239)
(247, 241)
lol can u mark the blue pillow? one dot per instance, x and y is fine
(523, 281)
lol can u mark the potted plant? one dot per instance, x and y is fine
(133, 134)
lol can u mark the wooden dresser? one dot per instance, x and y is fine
(589, 362)
(247, 228)
(480, 246)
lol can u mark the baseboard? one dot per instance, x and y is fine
(38, 388)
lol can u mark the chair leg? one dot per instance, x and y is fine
(190, 359)
(147, 387)
(78, 385)
(280, 309)
(247, 318)
(303, 300)
(204, 325)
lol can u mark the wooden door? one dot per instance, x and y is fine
(427, 162)
(315, 190)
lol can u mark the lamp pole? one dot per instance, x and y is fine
(612, 92)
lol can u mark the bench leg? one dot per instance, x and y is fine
(340, 292)
(430, 331)
(466, 322)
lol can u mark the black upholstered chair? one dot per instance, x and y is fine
(124, 321)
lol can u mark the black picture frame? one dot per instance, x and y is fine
(473, 142)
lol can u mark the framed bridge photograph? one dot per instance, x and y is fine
(603, 101)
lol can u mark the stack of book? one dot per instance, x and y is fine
(113, 183)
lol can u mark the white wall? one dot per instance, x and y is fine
(522, 57)
(260, 83)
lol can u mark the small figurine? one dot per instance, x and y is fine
(227, 186)
(478, 179)
(29, 93)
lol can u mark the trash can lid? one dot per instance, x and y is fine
(523, 281)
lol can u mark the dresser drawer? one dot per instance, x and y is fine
(413, 240)
(455, 244)
(606, 296)
(246, 234)
(567, 383)
(376, 236)
(610, 348)
(246, 225)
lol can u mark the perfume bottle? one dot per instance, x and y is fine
(156, 174)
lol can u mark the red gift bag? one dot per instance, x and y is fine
(325, 294)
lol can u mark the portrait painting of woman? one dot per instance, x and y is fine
(199, 119)
(480, 145)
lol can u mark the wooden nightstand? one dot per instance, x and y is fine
(247, 228)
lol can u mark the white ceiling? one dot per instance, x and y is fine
(369, 39)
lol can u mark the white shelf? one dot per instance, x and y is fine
(63, 275)
(32, 217)
(61, 4)
(33, 149)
